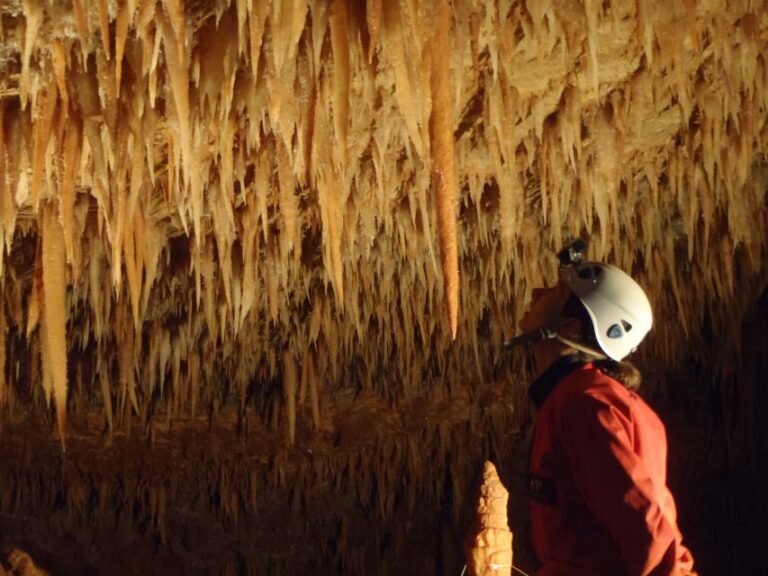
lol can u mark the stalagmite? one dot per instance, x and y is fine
(489, 548)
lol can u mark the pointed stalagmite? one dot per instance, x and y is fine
(489, 547)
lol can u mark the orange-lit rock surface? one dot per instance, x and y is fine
(268, 251)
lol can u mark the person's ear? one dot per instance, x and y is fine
(570, 328)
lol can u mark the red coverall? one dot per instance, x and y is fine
(599, 500)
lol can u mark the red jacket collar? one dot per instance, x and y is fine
(542, 387)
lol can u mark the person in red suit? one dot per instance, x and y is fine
(597, 473)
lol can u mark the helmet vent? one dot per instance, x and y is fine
(627, 325)
(615, 331)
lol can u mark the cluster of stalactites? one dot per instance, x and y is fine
(246, 191)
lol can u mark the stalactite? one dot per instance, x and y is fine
(106, 396)
(55, 311)
(6, 199)
(33, 12)
(443, 170)
(46, 109)
(4, 380)
(290, 379)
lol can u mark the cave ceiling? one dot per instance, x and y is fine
(327, 207)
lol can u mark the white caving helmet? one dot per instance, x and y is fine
(620, 311)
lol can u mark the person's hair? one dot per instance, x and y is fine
(623, 372)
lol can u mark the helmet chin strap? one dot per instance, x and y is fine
(580, 347)
(546, 333)
(550, 333)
